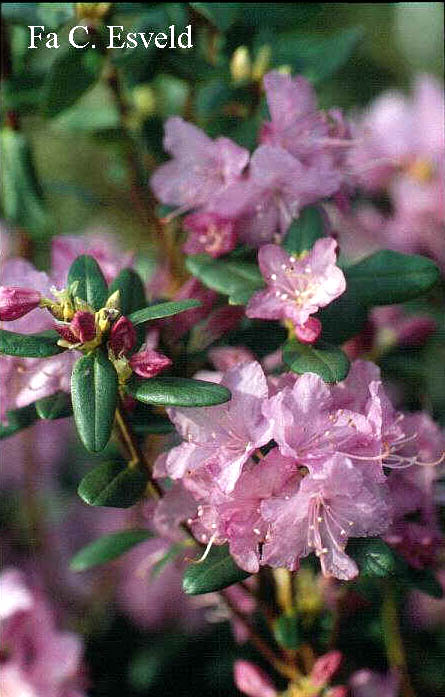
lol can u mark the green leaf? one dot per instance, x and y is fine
(162, 310)
(286, 632)
(132, 292)
(107, 548)
(216, 572)
(373, 557)
(17, 420)
(304, 232)
(114, 485)
(221, 14)
(178, 392)
(388, 277)
(343, 318)
(237, 279)
(327, 361)
(56, 406)
(90, 282)
(40, 345)
(94, 385)
(72, 73)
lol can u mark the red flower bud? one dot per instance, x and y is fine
(82, 328)
(308, 332)
(325, 667)
(122, 336)
(15, 302)
(148, 363)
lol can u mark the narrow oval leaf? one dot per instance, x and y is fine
(178, 392)
(216, 572)
(40, 345)
(327, 361)
(90, 282)
(56, 406)
(17, 420)
(162, 310)
(73, 71)
(94, 385)
(388, 277)
(132, 292)
(237, 279)
(107, 548)
(304, 231)
(373, 557)
(114, 485)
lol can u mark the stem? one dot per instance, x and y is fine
(393, 640)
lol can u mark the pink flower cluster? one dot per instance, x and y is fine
(320, 480)
(235, 196)
(38, 660)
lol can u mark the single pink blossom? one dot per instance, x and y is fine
(15, 302)
(147, 362)
(210, 234)
(123, 336)
(200, 168)
(252, 680)
(297, 287)
(222, 437)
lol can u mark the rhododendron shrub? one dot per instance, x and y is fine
(222, 433)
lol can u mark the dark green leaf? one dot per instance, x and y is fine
(132, 293)
(327, 361)
(17, 420)
(216, 572)
(40, 345)
(343, 318)
(73, 71)
(56, 406)
(113, 484)
(237, 279)
(178, 392)
(221, 14)
(304, 232)
(90, 282)
(107, 548)
(388, 277)
(286, 632)
(94, 386)
(373, 557)
(162, 310)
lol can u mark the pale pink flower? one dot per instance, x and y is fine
(252, 681)
(210, 234)
(366, 683)
(297, 287)
(200, 169)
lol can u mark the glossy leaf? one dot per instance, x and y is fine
(327, 361)
(94, 387)
(373, 557)
(388, 277)
(304, 231)
(90, 282)
(162, 310)
(17, 420)
(72, 73)
(114, 485)
(107, 548)
(178, 392)
(216, 572)
(237, 279)
(56, 406)
(40, 345)
(132, 292)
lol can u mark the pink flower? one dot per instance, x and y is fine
(40, 660)
(325, 667)
(147, 362)
(252, 680)
(81, 329)
(366, 683)
(221, 438)
(225, 357)
(102, 246)
(210, 234)
(13, 273)
(15, 302)
(297, 288)
(123, 336)
(200, 168)
(328, 507)
(180, 324)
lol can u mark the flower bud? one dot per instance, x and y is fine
(83, 326)
(252, 680)
(240, 64)
(308, 332)
(15, 302)
(148, 363)
(325, 667)
(122, 336)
